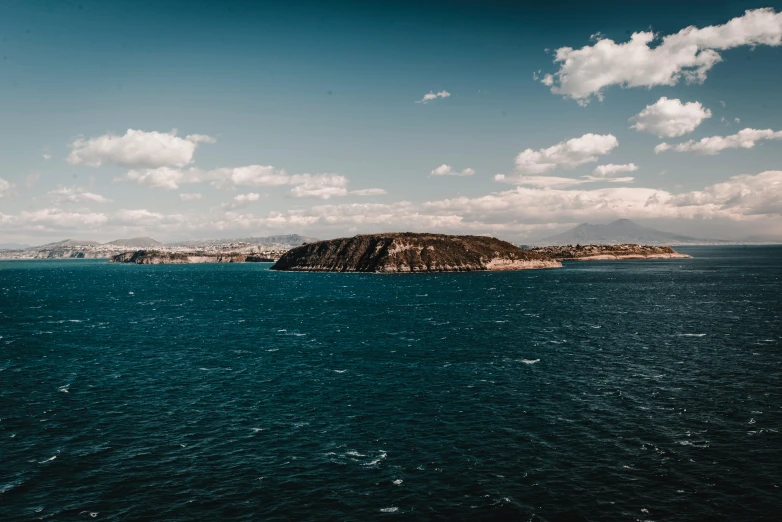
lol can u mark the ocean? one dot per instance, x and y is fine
(611, 390)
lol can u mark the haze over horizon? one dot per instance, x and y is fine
(196, 120)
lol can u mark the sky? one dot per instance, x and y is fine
(184, 120)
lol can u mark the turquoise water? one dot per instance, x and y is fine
(636, 390)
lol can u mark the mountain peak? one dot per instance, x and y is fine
(616, 232)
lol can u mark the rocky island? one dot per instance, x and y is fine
(608, 252)
(158, 257)
(409, 252)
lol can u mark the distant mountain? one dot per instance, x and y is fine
(281, 241)
(68, 243)
(13, 246)
(136, 242)
(777, 240)
(618, 232)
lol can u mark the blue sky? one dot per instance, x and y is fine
(313, 123)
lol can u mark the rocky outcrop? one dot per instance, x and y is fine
(608, 252)
(156, 257)
(408, 252)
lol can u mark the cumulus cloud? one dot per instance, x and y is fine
(314, 186)
(320, 186)
(161, 177)
(46, 156)
(144, 217)
(567, 154)
(611, 170)
(242, 200)
(433, 96)
(743, 195)
(447, 170)
(191, 196)
(5, 188)
(137, 148)
(250, 175)
(527, 208)
(75, 195)
(246, 198)
(647, 61)
(755, 199)
(744, 139)
(670, 118)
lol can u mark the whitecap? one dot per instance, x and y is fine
(64, 389)
(257, 430)
(377, 460)
(692, 335)
(530, 361)
(48, 460)
(355, 454)
(340, 371)
(389, 510)
(397, 482)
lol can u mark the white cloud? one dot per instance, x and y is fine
(556, 181)
(755, 200)
(610, 170)
(447, 170)
(743, 195)
(192, 196)
(75, 195)
(643, 62)
(137, 149)
(744, 139)
(315, 186)
(737, 120)
(246, 198)
(368, 192)
(143, 217)
(670, 118)
(566, 154)
(200, 138)
(161, 177)
(5, 188)
(46, 156)
(540, 181)
(251, 175)
(63, 219)
(320, 186)
(433, 96)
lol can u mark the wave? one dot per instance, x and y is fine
(530, 361)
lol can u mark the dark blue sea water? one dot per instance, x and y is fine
(634, 390)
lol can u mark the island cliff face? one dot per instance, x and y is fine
(409, 252)
(155, 257)
(608, 252)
